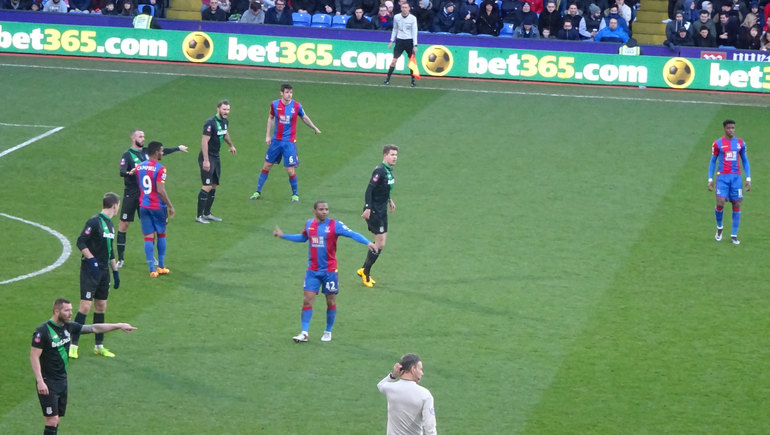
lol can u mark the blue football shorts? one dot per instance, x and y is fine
(153, 220)
(730, 187)
(282, 149)
(328, 282)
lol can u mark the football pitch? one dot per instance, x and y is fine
(551, 257)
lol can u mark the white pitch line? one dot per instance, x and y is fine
(6, 124)
(433, 88)
(33, 140)
(65, 252)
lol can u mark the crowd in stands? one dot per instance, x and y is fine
(126, 8)
(731, 23)
(699, 23)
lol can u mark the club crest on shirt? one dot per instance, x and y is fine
(88, 230)
(37, 338)
(208, 129)
(375, 178)
(122, 162)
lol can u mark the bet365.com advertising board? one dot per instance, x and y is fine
(364, 56)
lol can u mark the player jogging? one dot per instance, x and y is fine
(155, 207)
(376, 207)
(282, 121)
(724, 159)
(322, 233)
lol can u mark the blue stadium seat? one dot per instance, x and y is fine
(321, 20)
(301, 19)
(142, 6)
(340, 21)
(507, 30)
(485, 35)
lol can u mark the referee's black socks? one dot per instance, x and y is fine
(371, 258)
(203, 200)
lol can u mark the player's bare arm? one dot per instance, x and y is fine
(164, 196)
(270, 123)
(100, 328)
(34, 360)
(306, 119)
(230, 143)
(205, 152)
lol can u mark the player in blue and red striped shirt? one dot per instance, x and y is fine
(321, 273)
(724, 159)
(154, 207)
(282, 121)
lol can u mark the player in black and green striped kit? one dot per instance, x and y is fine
(95, 243)
(49, 359)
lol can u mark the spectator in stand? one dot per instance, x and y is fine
(509, 9)
(17, 5)
(389, 5)
(739, 9)
(691, 13)
(35, 6)
(727, 31)
(704, 20)
(466, 8)
(751, 40)
(572, 16)
(590, 23)
(304, 6)
(423, 11)
(370, 7)
(681, 38)
(344, 7)
(383, 20)
(612, 12)
(567, 32)
(326, 7)
(160, 9)
(466, 24)
(672, 27)
(767, 16)
(445, 20)
(489, 22)
(767, 24)
(145, 20)
(213, 12)
(254, 14)
(612, 33)
(550, 19)
(625, 11)
(526, 11)
(704, 38)
(527, 30)
(765, 41)
(278, 14)
(128, 9)
(359, 21)
(537, 7)
(80, 6)
(751, 19)
(55, 6)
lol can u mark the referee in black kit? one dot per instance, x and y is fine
(214, 132)
(405, 36)
(376, 208)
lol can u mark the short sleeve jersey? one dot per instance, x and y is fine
(97, 236)
(131, 159)
(286, 119)
(728, 153)
(380, 185)
(216, 128)
(150, 173)
(54, 340)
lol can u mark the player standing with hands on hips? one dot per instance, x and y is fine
(95, 243)
(376, 208)
(724, 159)
(404, 34)
(214, 132)
(49, 360)
(281, 138)
(322, 233)
(410, 406)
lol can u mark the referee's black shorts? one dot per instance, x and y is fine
(403, 45)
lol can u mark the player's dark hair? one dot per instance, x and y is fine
(154, 147)
(728, 121)
(408, 361)
(110, 199)
(315, 206)
(57, 304)
(223, 103)
(388, 148)
(285, 86)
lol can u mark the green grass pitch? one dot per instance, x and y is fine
(551, 257)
